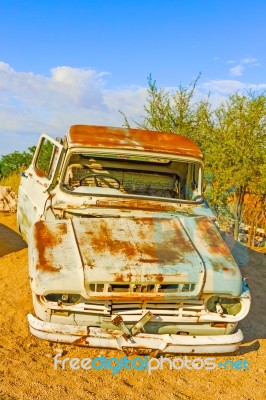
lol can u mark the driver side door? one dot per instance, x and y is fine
(34, 193)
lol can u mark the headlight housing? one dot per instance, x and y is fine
(224, 305)
(62, 298)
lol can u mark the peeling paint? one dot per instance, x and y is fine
(132, 139)
(45, 239)
(102, 256)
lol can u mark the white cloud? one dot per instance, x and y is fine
(257, 87)
(82, 86)
(239, 68)
(250, 60)
(129, 100)
(31, 103)
(226, 86)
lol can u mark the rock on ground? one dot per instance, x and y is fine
(8, 199)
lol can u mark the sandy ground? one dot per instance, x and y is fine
(27, 363)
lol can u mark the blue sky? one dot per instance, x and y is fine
(68, 62)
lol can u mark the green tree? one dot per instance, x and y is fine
(231, 137)
(178, 112)
(238, 156)
(11, 163)
(170, 112)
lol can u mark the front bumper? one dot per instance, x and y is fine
(141, 343)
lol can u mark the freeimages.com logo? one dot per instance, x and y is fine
(145, 364)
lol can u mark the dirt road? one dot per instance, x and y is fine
(27, 363)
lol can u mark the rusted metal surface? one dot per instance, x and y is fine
(131, 296)
(139, 204)
(161, 252)
(39, 173)
(106, 264)
(167, 313)
(141, 351)
(54, 258)
(141, 343)
(140, 324)
(222, 272)
(45, 239)
(132, 139)
(158, 252)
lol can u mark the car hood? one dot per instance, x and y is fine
(131, 258)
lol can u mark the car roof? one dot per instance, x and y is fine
(107, 137)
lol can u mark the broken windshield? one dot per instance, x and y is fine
(124, 175)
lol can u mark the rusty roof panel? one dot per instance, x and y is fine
(132, 139)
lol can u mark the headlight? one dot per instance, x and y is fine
(62, 298)
(223, 305)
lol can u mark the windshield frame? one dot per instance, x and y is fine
(126, 153)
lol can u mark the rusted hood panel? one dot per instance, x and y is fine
(73, 256)
(222, 272)
(140, 251)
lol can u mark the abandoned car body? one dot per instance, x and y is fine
(123, 250)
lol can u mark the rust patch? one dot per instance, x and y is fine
(169, 248)
(102, 238)
(129, 276)
(117, 320)
(132, 204)
(155, 278)
(208, 233)
(147, 221)
(44, 239)
(81, 331)
(159, 278)
(130, 351)
(219, 267)
(148, 261)
(129, 296)
(39, 173)
(115, 334)
(219, 324)
(226, 269)
(62, 229)
(119, 278)
(164, 243)
(132, 139)
(81, 341)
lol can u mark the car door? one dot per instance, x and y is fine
(36, 181)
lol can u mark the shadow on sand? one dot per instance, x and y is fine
(10, 241)
(253, 267)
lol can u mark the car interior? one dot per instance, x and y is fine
(133, 175)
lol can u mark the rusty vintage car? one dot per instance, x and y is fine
(123, 249)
